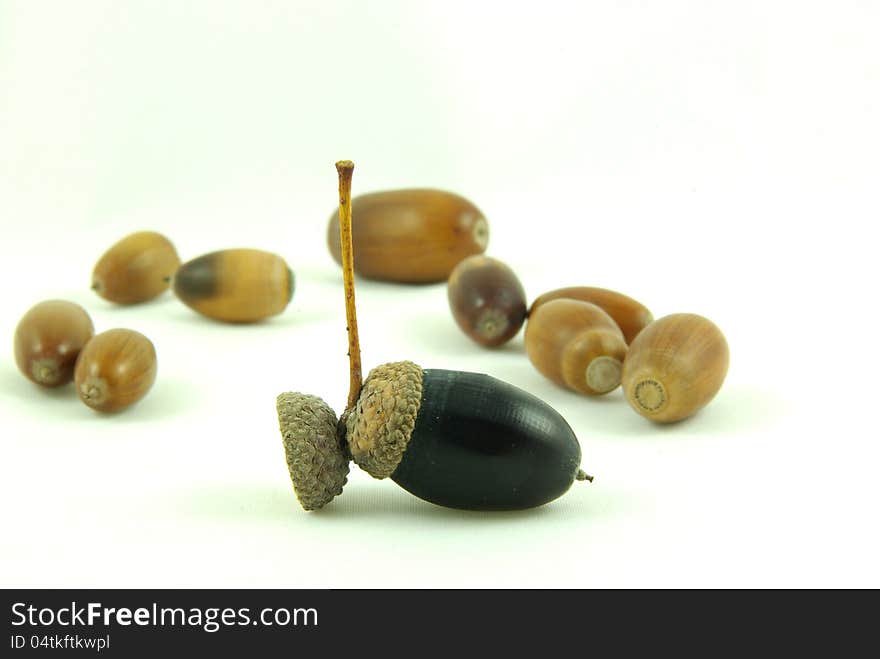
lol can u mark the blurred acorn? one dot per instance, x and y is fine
(136, 269)
(487, 300)
(235, 285)
(674, 367)
(577, 345)
(631, 316)
(48, 339)
(411, 236)
(115, 369)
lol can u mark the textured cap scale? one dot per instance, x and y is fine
(316, 459)
(379, 427)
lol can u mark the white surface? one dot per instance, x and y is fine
(720, 158)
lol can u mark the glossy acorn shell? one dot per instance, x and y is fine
(136, 269)
(631, 316)
(235, 285)
(48, 340)
(115, 370)
(411, 236)
(577, 345)
(482, 444)
(674, 367)
(487, 300)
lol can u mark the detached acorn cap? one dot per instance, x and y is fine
(379, 427)
(316, 458)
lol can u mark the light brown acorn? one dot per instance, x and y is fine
(136, 269)
(48, 340)
(115, 369)
(412, 236)
(577, 345)
(631, 316)
(487, 300)
(235, 285)
(674, 367)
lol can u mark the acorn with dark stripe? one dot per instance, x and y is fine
(235, 285)
(456, 439)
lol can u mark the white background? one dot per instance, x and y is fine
(720, 158)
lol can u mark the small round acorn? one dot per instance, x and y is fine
(456, 439)
(115, 369)
(136, 269)
(235, 285)
(414, 236)
(631, 316)
(48, 340)
(487, 300)
(675, 367)
(577, 345)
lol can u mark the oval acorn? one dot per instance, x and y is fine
(115, 369)
(461, 440)
(631, 316)
(487, 300)
(235, 285)
(412, 236)
(457, 439)
(674, 367)
(48, 339)
(577, 345)
(136, 269)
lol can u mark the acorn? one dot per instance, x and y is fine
(631, 316)
(461, 440)
(411, 236)
(456, 439)
(674, 367)
(48, 339)
(115, 369)
(235, 285)
(487, 300)
(136, 269)
(577, 345)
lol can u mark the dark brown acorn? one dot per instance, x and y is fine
(631, 316)
(115, 370)
(48, 339)
(136, 269)
(487, 300)
(412, 236)
(457, 439)
(235, 285)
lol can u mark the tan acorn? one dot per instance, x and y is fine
(577, 345)
(48, 339)
(412, 236)
(115, 369)
(674, 367)
(487, 300)
(235, 285)
(136, 269)
(631, 316)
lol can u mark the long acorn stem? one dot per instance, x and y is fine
(345, 168)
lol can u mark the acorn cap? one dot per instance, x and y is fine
(379, 427)
(316, 459)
